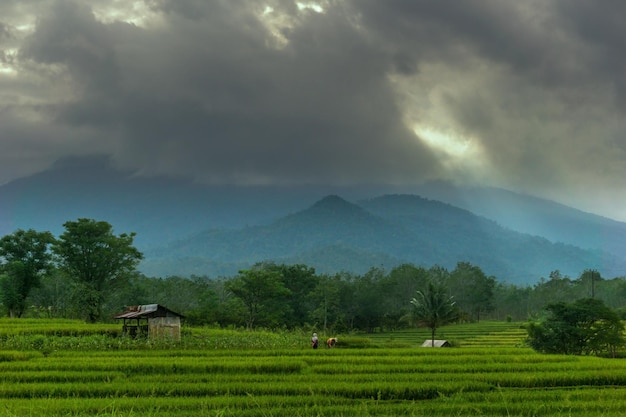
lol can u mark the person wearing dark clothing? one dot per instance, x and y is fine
(314, 341)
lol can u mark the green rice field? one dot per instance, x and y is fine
(212, 372)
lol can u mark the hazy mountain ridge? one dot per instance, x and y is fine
(533, 215)
(331, 221)
(187, 228)
(159, 209)
(390, 230)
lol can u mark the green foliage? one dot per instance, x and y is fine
(96, 259)
(400, 281)
(300, 280)
(586, 326)
(589, 280)
(487, 333)
(326, 299)
(25, 259)
(433, 308)
(276, 374)
(473, 289)
(354, 342)
(295, 296)
(8, 356)
(261, 291)
(363, 300)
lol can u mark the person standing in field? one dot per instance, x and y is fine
(314, 341)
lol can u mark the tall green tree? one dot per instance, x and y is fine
(511, 301)
(300, 280)
(53, 298)
(326, 297)
(401, 280)
(96, 259)
(25, 258)
(557, 288)
(367, 308)
(473, 290)
(260, 290)
(588, 283)
(433, 308)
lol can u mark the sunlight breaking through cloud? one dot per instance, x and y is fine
(458, 154)
(311, 6)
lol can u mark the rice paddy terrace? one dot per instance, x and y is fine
(229, 373)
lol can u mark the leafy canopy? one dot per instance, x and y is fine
(261, 292)
(96, 259)
(586, 326)
(433, 308)
(24, 259)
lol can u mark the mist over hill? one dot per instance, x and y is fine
(158, 209)
(384, 232)
(537, 216)
(186, 228)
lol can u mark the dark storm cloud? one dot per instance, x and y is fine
(4, 31)
(558, 67)
(251, 91)
(551, 41)
(207, 94)
(70, 35)
(600, 28)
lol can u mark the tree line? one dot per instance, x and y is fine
(88, 272)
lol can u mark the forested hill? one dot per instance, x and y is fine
(533, 215)
(334, 235)
(188, 228)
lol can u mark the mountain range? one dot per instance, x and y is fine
(186, 228)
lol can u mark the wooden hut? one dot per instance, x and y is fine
(151, 320)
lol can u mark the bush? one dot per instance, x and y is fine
(586, 326)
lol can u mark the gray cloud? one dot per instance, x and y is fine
(231, 91)
(539, 84)
(5, 32)
(200, 94)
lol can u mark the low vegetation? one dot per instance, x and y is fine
(217, 372)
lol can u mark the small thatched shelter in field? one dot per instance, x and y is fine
(438, 343)
(151, 320)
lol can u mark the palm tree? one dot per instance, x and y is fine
(433, 308)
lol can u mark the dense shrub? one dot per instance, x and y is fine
(586, 326)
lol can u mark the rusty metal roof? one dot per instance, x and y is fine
(147, 310)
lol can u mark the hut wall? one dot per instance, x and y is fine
(165, 328)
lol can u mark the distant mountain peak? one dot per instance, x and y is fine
(331, 200)
(334, 204)
(331, 212)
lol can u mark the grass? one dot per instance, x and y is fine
(482, 334)
(490, 373)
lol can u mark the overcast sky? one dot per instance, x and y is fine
(525, 95)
